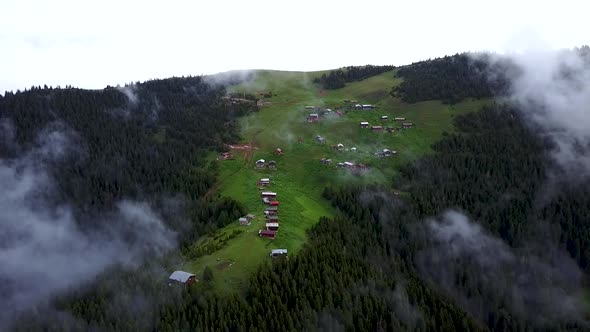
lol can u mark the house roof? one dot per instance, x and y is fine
(181, 276)
(265, 180)
(273, 217)
(348, 163)
(268, 193)
(272, 162)
(377, 127)
(364, 123)
(266, 232)
(313, 115)
(407, 123)
(272, 208)
(272, 224)
(339, 144)
(384, 117)
(386, 150)
(250, 215)
(278, 252)
(243, 219)
(260, 161)
(279, 149)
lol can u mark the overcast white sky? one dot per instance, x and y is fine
(92, 44)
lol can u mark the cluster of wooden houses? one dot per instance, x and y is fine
(386, 153)
(261, 163)
(379, 128)
(316, 116)
(271, 212)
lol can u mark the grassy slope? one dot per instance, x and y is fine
(300, 178)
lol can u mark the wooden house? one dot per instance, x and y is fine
(271, 211)
(320, 139)
(279, 151)
(364, 124)
(376, 128)
(399, 119)
(313, 117)
(272, 226)
(260, 163)
(264, 182)
(278, 252)
(272, 164)
(225, 156)
(183, 278)
(244, 221)
(407, 125)
(273, 218)
(390, 129)
(339, 146)
(250, 216)
(384, 118)
(367, 107)
(267, 234)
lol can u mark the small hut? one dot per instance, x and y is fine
(182, 277)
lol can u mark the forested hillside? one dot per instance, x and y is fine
(453, 78)
(144, 141)
(494, 171)
(94, 179)
(489, 231)
(382, 267)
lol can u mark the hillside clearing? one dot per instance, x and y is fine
(300, 177)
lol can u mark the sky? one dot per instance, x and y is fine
(92, 44)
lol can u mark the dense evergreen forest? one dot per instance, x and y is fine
(380, 266)
(453, 78)
(338, 78)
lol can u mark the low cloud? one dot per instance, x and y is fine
(232, 77)
(130, 92)
(43, 249)
(484, 274)
(551, 89)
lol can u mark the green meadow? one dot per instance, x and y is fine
(300, 177)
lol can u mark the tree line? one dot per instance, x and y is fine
(338, 78)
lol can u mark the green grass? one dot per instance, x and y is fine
(300, 178)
